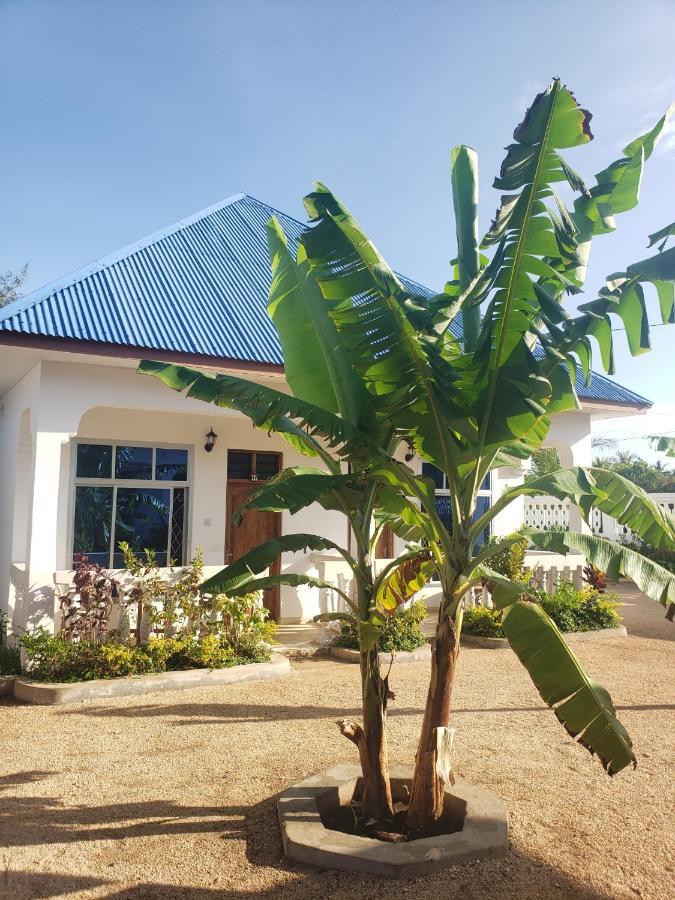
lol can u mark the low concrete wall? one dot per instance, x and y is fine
(422, 654)
(6, 685)
(44, 694)
(571, 637)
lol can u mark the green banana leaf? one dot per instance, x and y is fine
(598, 488)
(297, 487)
(315, 368)
(298, 421)
(402, 582)
(464, 167)
(612, 558)
(291, 579)
(580, 704)
(254, 562)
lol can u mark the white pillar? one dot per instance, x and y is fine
(47, 528)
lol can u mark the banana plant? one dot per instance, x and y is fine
(333, 417)
(485, 400)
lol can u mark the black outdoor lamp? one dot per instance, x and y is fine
(211, 439)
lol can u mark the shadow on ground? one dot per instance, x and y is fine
(512, 876)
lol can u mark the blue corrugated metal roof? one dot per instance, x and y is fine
(198, 287)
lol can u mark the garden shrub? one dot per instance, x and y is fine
(10, 657)
(509, 561)
(238, 634)
(399, 632)
(571, 608)
(482, 622)
(10, 661)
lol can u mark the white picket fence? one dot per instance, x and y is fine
(550, 512)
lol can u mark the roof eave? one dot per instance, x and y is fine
(123, 351)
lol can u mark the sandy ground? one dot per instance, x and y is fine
(173, 795)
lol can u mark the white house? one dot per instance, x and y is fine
(93, 453)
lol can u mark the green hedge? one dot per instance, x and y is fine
(571, 608)
(55, 659)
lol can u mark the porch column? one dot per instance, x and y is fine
(48, 527)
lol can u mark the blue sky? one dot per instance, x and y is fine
(122, 117)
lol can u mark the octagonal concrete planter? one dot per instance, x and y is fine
(478, 817)
(421, 654)
(570, 637)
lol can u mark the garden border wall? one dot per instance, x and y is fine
(46, 694)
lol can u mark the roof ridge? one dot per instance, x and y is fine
(65, 281)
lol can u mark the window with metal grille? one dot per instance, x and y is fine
(133, 493)
(443, 505)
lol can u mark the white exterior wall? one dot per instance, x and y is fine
(60, 401)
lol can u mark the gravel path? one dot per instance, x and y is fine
(172, 795)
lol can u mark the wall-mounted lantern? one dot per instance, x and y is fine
(211, 439)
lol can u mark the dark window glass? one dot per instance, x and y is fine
(239, 465)
(482, 506)
(142, 519)
(485, 486)
(94, 461)
(266, 465)
(435, 474)
(178, 526)
(133, 462)
(444, 510)
(93, 519)
(171, 465)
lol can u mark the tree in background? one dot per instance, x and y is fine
(10, 285)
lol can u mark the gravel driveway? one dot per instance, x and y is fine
(172, 795)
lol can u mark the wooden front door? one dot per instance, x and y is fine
(256, 527)
(385, 544)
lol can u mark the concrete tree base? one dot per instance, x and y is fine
(46, 694)
(479, 816)
(421, 654)
(570, 637)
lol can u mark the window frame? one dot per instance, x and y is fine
(253, 478)
(147, 483)
(445, 492)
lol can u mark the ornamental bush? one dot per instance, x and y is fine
(571, 608)
(241, 635)
(398, 632)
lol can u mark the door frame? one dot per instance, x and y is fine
(272, 596)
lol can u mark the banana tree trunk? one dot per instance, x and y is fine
(371, 739)
(426, 796)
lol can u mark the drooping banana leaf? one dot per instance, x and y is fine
(291, 579)
(612, 558)
(297, 487)
(598, 488)
(261, 557)
(299, 422)
(402, 582)
(582, 706)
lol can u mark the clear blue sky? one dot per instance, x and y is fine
(122, 117)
